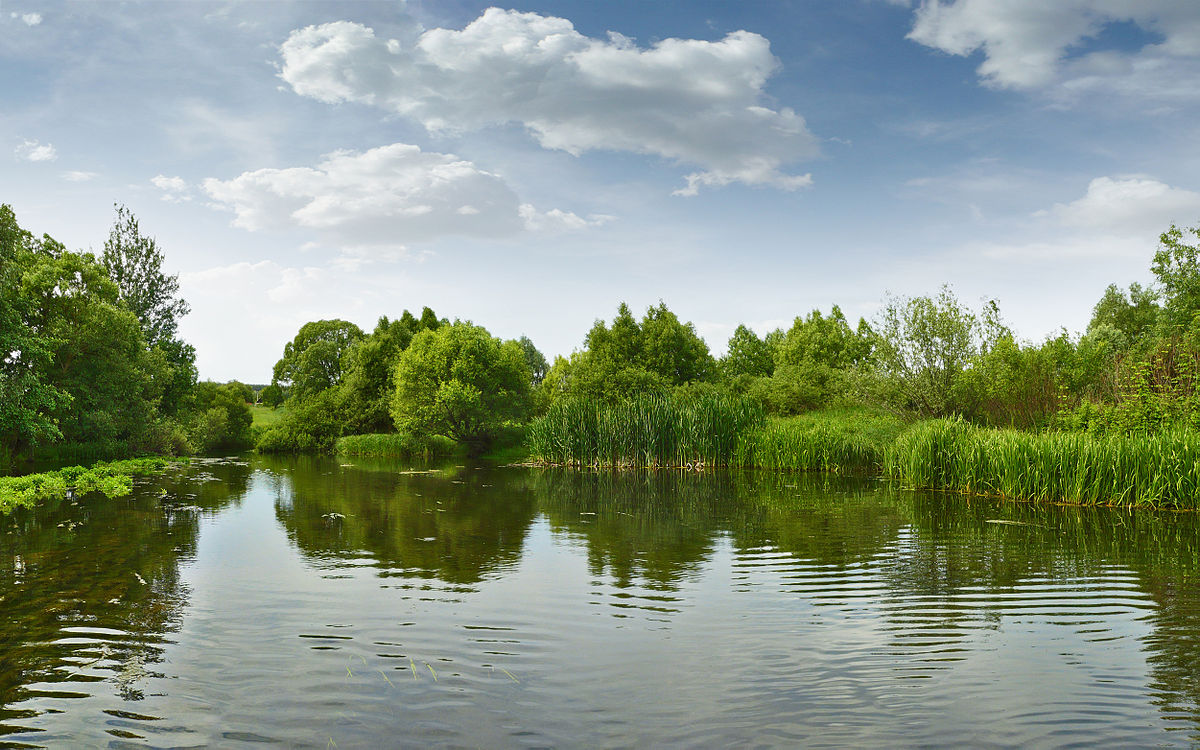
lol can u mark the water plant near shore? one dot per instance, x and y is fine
(113, 479)
(1160, 470)
(646, 431)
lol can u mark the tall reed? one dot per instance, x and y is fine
(1161, 469)
(647, 432)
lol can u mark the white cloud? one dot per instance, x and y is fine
(35, 151)
(76, 176)
(691, 101)
(1137, 207)
(1034, 44)
(174, 189)
(29, 19)
(556, 220)
(387, 196)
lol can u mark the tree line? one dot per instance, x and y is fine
(1132, 370)
(91, 362)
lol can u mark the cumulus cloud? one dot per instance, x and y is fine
(174, 189)
(29, 19)
(1033, 44)
(385, 196)
(694, 102)
(35, 151)
(1129, 206)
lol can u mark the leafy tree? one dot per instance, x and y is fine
(368, 383)
(313, 361)
(1176, 265)
(1133, 315)
(99, 356)
(221, 416)
(27, 399)
(461, 382)
(922, 347)
(272, 395)
(134, 263)
(535, 360)
(748, 355)
(629, 358)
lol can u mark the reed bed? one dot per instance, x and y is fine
(1160, 470)
(649, 431)
(395, 445)
(838, 441)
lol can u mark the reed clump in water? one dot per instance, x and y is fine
(651, 431)
(395, 445)
(1161, 469)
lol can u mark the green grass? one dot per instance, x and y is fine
(113, 479)
(395, 445)
(646, 432)
(265, 416)
(1160, 470)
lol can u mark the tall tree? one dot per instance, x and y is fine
(314, 360)
(134, 263)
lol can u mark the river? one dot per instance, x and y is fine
(309, 602)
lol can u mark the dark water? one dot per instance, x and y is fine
(306, 603)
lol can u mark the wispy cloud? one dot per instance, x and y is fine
(35, 151)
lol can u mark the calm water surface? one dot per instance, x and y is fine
(311, 603)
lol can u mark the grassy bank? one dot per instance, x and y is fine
(114, 479)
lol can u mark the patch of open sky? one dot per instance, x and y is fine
(1117, 36)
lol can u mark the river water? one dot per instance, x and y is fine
(309, 602)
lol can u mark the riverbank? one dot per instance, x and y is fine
(1160, 470)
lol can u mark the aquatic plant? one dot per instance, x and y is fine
(647, 431)
(113, 479)
(1161, 469)
(398, 445)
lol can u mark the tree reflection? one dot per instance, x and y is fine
(456, 525)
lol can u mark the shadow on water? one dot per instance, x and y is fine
(90, 587)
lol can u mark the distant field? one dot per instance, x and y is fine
(265, 416)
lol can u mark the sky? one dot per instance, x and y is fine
(529, 166)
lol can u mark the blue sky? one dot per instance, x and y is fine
(529, 166)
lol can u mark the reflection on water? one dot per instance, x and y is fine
(312, 603)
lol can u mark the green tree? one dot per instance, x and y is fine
(535, 360)
(1176, 265)
(314, 360)
(460, 382)
(134, 263)
(748, 355)
(922, 347)
(271, 396)
(1133, 314)
(221, 416)
(28, 400)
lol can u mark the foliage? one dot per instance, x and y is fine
(368, 381)
(1130, 315)
(646, 431)
(395, 445)
(534, 360)
(221, 417)
(28, 400)
(747, 356)
(1161, 469)
(313, 361)
(1176, 266)
(112, 479)
(272, 395)
(460, 382)
(309, 426)
(631, 358)
(134, 263)
(923, 345)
